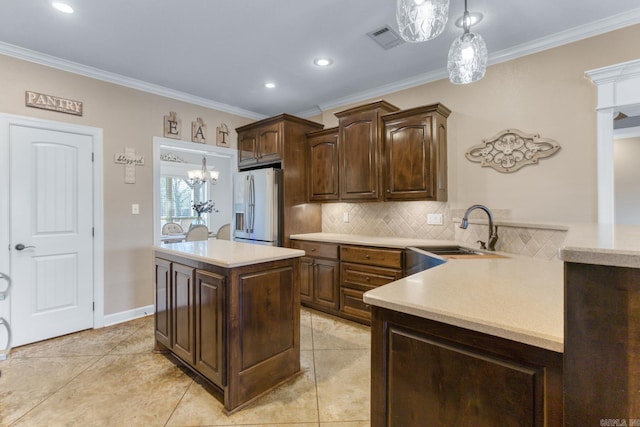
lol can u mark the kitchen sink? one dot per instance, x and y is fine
(450, 250)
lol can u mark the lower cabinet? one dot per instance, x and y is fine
(239, 328)
(429, 373)
(362, 269)
(319, 275)
(334, 277)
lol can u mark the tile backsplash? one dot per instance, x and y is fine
(394, 219)
(409, 219)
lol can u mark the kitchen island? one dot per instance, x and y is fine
(231, 313)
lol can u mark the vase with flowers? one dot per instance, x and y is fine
(203, 207)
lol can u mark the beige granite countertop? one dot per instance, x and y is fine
(516, 297)
(603, 244)
(228, 254)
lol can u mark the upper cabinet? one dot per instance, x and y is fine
(260, 145)
(415, 154)
(359, 145)
(378, 153)
(323, 165)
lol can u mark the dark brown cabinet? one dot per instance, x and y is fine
(363, 269)
(209, 328)
(261, 145)
(163, 302)
(360, 135)
(182, 313)
(379, 153)
(602, 344)
(319, 275)
(334, 277)
(429, 373)
(415, 154)
(238, 328)
(323, 174)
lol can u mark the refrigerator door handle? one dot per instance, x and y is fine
(246, 204)
(252, 203)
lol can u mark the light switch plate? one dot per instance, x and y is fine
(345, 217)
(434, 219)
(135, 209)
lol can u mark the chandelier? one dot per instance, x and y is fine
(467, 59)
(421, 20)
(198, 177)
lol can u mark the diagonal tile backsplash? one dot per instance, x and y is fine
(409, 219)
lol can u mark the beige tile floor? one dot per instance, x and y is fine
(111, 377)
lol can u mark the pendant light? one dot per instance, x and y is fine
(421, 20)
(467, 60)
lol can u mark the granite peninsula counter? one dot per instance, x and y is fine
(510, 340)
(231, 313)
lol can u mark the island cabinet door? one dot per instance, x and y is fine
(163, 302)
(209, 303)
(183, 312)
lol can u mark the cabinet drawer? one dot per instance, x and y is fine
(365, 277)
(318, 250)
(373, 256)
(351, 303)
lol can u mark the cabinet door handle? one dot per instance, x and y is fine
(313, 249)
(367, 256)
(367, 279)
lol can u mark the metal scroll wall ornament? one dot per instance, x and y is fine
(511, 149)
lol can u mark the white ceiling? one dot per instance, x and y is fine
(219, 53)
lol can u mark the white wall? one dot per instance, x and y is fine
(627, 180)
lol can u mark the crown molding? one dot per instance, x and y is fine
(564, 37)
(98, 74)
(571, 35)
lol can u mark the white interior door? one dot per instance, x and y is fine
(51, 216)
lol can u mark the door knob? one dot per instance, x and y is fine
(4, 353)
(3, 294)
(20, 247)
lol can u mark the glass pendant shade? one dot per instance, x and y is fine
(421, 20)
(467, 60)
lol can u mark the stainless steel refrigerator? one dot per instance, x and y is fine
(257, 201)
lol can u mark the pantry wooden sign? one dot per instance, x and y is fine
(53, 103)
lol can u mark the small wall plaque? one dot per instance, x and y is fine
(511, 149)
(130, 160)
(198, 131)
(172, 126)
(52, 103)
(222, 135)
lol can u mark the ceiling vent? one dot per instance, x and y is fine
(386, 37)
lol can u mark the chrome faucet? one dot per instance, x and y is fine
(493, 231)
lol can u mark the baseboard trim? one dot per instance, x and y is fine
(125, 316)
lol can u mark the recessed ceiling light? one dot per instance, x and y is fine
(269, 85)
(323, 62)
(474, 16)
(62, 7)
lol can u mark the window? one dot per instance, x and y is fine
(177, 197)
